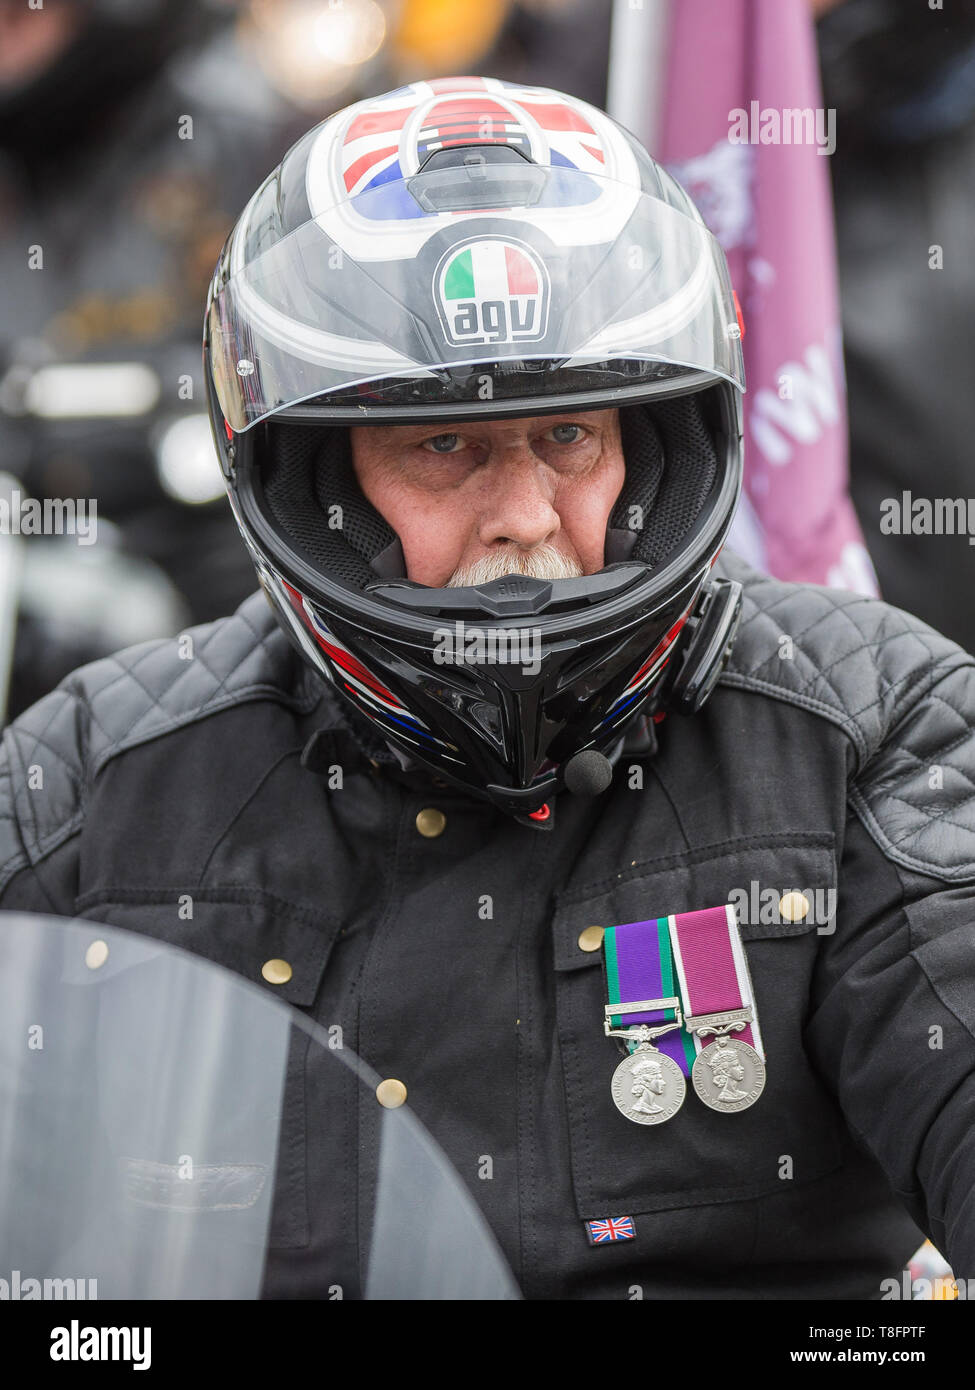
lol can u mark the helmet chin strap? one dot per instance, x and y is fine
(391, 562)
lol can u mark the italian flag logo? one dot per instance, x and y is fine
(492, 291)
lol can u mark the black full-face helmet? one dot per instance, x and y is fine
(463, 248)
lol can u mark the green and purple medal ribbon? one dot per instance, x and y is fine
(639, 968)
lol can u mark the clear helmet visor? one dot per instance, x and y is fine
(488, 284)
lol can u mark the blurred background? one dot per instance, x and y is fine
(132, 132)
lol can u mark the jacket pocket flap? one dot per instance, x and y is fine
(244, 933)
(755, 876)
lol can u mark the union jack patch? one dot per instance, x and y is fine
(614, 1228)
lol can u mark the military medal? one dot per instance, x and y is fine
(648, 1086)
(709, 960)
(728, 1074)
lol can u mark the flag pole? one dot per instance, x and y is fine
(636, 81)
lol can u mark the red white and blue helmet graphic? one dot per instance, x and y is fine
(375, 147)
(455, 222)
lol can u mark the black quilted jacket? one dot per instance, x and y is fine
(837, 752)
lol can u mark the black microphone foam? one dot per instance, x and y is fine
(588, 773)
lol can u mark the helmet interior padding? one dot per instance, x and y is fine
(671, 465)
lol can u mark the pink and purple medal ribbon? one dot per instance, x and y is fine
(712, 970)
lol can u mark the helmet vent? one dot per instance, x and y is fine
(461, 179)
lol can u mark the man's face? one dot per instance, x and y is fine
(488, 497)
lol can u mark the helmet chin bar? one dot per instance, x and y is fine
(512, 595)
(699, 656)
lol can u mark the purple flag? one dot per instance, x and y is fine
(743, 129)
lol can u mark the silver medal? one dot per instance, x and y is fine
(728, 1074)
(648, 1087)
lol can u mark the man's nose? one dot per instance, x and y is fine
(518, 499)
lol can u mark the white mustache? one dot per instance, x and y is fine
(543, 562)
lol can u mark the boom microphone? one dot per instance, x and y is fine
(588, 773)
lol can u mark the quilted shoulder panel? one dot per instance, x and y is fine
(53, 750)
(903, 694)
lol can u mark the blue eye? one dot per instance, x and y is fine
(442, 443)
(557, 433)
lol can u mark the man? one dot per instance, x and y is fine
(527, 839)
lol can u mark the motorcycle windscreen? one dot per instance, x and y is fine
(170, 1131)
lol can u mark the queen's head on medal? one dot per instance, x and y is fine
(726, 1070)
(648, 1082)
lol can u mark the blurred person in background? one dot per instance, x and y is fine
(901, 77)
(129, 133)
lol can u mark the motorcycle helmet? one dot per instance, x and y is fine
(461, 248)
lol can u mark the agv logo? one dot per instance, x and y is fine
(492, 291)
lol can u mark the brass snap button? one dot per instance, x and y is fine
(391, 1093)
(430, 822)
(794, 906)
(591, 939)
(276, 972)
